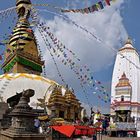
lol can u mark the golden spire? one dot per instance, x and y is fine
(23, 8)
(128, 45)
(129, 41)
(22, 1)
(123, 81)
(23, 55)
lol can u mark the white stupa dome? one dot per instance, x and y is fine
(13, 83)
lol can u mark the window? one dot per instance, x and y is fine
(61, 114)
(122, 98)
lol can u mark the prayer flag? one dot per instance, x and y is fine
(102, 86)
(96, 88)
(107, 2)
(0, 57)
(97, 5)
(8, 50)
(86, 10)
(101, 5)
(2, 43)
(89, 9)
(25, 35)
(29, 30)
(94, 8)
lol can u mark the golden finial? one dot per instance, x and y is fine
(23, 8)
(22, 1)
(129, 41)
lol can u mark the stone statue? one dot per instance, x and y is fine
(27, 95)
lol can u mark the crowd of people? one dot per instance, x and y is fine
(95, 120)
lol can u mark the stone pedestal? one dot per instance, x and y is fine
(22, 127)
(3, 109)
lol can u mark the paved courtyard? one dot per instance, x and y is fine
(99, 138)
(113, 138)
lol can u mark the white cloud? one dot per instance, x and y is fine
(106, 24)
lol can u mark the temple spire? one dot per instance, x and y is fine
(129, 41)
(22, 55)
(23, 8)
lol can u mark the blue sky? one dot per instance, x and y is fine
(124, 18)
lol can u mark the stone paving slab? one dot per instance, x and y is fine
(114, 138)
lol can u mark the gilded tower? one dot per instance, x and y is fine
(21, 54)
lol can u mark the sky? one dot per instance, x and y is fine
(112, 25)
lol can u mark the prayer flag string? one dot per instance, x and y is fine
(65, 61)
(95, 7)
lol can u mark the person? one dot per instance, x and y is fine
(48, 129)
(94, 137)
(105, 124)
(36, 124)
(91, 121)
(43, 127)
(77, 121)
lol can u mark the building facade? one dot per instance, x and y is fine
(125, 89)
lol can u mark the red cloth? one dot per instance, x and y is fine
(65, 129)
(77, 132)
(84, 130)
(91, 131)
(107, 2)
(68, 130)
(99, 129)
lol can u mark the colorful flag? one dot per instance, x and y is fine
(94, 8)
(29, 30)
(0, 57)
(101, 5)
(8, 50)
(2, 44)
(107, 2)
(97, 5)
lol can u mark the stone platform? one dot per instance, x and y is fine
(117, 138)
(11, 136)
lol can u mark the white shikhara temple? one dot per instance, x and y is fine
(125, 92)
